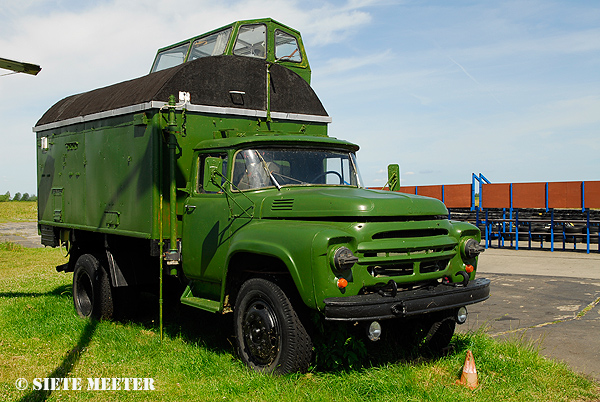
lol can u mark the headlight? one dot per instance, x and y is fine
(471, 249)
(343, 259)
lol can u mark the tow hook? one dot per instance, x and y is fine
(464, 282)
(388, 289)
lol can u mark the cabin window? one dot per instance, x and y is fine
(170, 57)
(286, 47)
(211, 45)
(251, 41)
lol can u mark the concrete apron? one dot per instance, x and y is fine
(551, 298)
(23, 233)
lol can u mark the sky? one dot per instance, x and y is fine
(510, 89)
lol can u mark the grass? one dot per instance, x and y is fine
(18, 211)
(42, 337)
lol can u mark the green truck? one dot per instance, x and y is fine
(216, 169)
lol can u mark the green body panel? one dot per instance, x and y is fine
(105, 174)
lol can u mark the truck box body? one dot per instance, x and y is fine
(105, 160)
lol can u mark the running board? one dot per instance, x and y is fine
(199, 302)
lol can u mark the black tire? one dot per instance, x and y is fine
(406, 334)
(439, 335)
(269, 335)
(92, 294)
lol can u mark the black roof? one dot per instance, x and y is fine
(209, 81)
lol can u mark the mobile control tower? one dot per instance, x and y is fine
(216, 169)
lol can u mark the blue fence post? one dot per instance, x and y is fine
(488, 240)
(510, 224)
(517, 229)
(588, 231)
(503, 226)
(551, 224)
(473, 178)
(482, 178)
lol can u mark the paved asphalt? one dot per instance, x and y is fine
(552, 298)
(23, 233)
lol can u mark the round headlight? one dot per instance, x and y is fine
(344, 259)
(471, 248)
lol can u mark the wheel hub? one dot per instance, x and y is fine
(261, 333)
(84, 296)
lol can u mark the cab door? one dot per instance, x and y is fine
(206, 234)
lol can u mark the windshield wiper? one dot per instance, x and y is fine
(266, 167)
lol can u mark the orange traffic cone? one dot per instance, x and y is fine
(469, 373)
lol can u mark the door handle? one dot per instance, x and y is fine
(189, 208)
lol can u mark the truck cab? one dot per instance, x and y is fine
(264, 39)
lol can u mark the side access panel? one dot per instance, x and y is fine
(120, 188)
(100, 178)
(62, 179)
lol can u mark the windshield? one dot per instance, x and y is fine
(267, 167)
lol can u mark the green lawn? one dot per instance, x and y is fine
(42, 337)
(18, 211)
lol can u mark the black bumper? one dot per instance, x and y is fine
(406, 303)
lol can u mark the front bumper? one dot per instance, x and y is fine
(407, 303)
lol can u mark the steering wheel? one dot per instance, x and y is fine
(326, 173)
(289, 57)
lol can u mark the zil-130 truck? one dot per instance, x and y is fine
(216, 168)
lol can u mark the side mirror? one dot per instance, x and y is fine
(394, 177)
(212, 175)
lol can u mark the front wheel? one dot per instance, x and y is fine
(428, 333)
(440, 334)
(269, 335)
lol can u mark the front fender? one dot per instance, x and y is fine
(462, 231)
(289, 243)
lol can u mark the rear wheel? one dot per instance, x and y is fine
(92, 295)
(269, 335)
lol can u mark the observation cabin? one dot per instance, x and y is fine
(263, 38)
